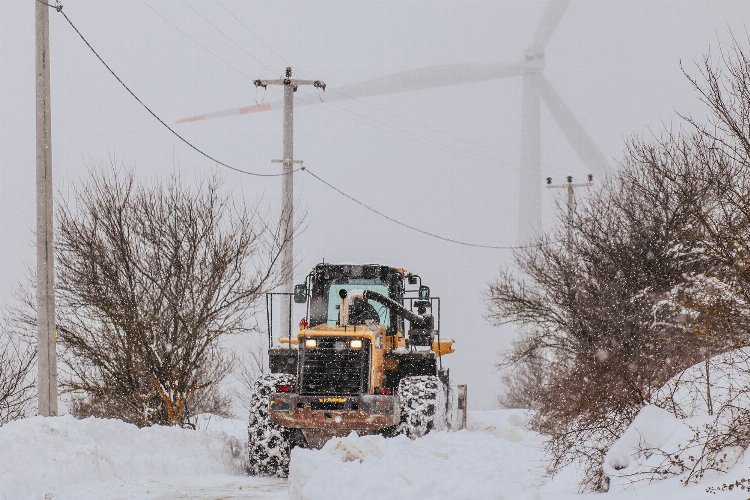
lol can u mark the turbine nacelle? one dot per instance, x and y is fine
(533, 61)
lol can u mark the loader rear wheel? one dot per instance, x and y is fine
(268, 443)
(422, 403)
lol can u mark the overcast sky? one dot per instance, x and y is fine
(445, 160)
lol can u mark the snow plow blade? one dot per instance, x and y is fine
(363, 413)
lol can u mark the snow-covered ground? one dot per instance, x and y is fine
(495, 458)
(65, 458)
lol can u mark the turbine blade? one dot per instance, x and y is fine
(406, 81)
(255, 108)
(572, 129)
(428, 77)
(551, 17)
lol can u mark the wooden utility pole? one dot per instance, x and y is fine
(45, 256)
(287, 188)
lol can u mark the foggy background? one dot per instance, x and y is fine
(444, 160)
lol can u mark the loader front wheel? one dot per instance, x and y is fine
(268, 443)
(422, 402)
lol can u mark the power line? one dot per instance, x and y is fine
(291, 172)
(356, 99)
(199, 44)
(415, 122)
(409, 226)
(152, 113)
(247, 28)
(410, 136)
(235, 43)
(407, 135)
(485, 159)
(421, 139)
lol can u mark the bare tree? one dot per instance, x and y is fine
(655, 277)
(523, 381)
(17, 384)
(251, 365)
(148, 280)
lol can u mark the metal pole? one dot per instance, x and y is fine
(287, 197)
(45, 270)
(287, 212)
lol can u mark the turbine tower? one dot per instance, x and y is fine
(536, 88)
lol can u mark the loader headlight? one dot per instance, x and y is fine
(356, 344)
(311, 343)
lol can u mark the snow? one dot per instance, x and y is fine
(652, 429)
(497, 457)
(654, 435)
(65, 458)
(667, 440)
(686, 395)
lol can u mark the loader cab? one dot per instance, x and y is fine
(328, 282)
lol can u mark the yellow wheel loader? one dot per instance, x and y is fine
(353, 365)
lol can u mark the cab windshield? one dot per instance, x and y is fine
(356, 284)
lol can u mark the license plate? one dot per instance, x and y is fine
(332, 400)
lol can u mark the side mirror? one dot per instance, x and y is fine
(424, 292)
(300, 294)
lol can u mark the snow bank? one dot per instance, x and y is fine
(62, 457)
(682, 432)
(693, 391)
(653, 434)
(496, 458)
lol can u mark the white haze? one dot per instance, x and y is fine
(615, 63)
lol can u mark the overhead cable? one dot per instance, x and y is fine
(222, 33)
(414, 137)
(409, 226)
(199, 44)
(356, 99)
(343, 193)
(247, 28)
(388, 127)
(152, 113)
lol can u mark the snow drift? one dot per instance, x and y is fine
(495, 458)
(698, 424)
(707, 387)
(63, 457)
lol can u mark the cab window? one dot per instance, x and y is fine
(357, 284)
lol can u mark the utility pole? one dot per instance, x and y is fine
(570, 187)
(45, 255)
(287, 187)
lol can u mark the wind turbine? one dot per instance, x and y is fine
(536, 88)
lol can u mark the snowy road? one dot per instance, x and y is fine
(219, 487)
(497, 457)
(211, 487)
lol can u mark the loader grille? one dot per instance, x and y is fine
(333, 369)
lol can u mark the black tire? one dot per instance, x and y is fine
(422, 405)
(268, 443)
